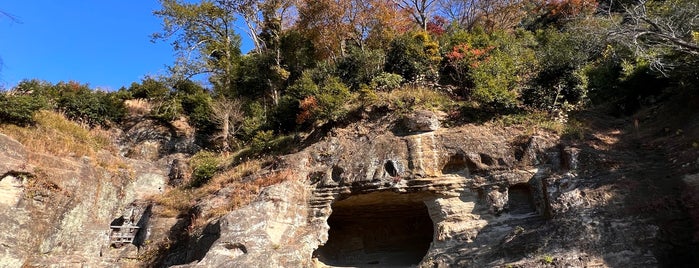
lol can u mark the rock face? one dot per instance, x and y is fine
(271, 224)
(470, 196)
(149, 139)
(57, 211)
(422, 121)
(368, 195)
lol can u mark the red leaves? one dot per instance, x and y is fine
(570, 8)
(437, 26)
(472, 56)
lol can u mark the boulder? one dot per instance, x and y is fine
(422, 121)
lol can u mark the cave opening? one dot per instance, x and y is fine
(520, 199)
(455, 164)
(380, 229)
(390, 168)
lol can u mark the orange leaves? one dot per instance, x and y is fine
(334, 24)
(569, 8)
(472, 56)
(308, 106)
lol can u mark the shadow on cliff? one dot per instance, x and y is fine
(633, 183)
(644, 158)
(188, 246)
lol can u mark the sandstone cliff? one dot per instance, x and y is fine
(389, 194)
(382, 192)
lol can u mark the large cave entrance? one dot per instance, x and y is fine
(381, 229)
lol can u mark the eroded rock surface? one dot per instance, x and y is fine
(470, 196)
(369, 195)
(57, 211)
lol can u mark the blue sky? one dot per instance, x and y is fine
(105, 43)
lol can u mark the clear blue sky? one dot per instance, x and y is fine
(105, 43)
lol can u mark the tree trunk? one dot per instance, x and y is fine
(225, 132)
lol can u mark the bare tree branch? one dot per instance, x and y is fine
(10, 16)
(658, 29)
(228, 115)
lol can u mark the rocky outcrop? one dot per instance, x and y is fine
(271, 225)
(150, 139)
(470, 196)
(57, 211)
(385, 193)
(422, 121)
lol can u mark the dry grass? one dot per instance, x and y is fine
(242, 185)
(175, 202)
(532, 122)
(233, 175)
(411, 97)
(54, 134)
(138, 107)
(245, 192)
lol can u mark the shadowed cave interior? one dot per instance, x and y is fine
(520, 199)
(381, 229)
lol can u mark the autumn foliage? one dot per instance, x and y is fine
(308, 106)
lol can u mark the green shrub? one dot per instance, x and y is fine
(255, 119)
(331, 100)
(167, 109)
(189, 99)
(19, 109)
(38, 88)
(367, 96)
(386, 81)
(149, 88)
(326, 100)
(258, 75)
(547, 259)
(414, 56)
(283, 116)
(562, 55)
(261, 142)
(204, 166)
(499, 77)
(304, 86)
(495, 82)
(77, 101)
(464, 49)
(360, 66)
(81, 104)
(32, 86)
(197, 107)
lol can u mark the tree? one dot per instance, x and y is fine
(420, 10)
(501, 14)
(336, 25)
(665, 33)
(228, 116)
(204, 39)
(258, 14)
(463, 12)
(322, 21)
(265, 20)
(9, 16)
(414, 56)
